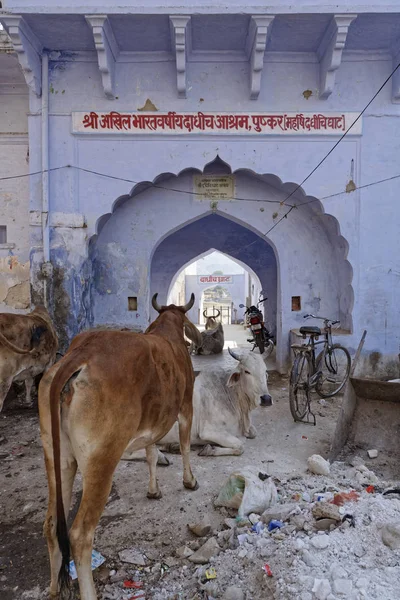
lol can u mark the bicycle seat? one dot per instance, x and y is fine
(310, 330)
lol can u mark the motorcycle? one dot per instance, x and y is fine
(262, 338)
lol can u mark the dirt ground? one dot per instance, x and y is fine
(281, 448)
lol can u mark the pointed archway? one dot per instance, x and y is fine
(312, 270)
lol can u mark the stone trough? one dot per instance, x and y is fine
(369, 417)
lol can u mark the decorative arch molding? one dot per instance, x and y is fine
(309, 229)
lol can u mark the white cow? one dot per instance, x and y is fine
(222, 406)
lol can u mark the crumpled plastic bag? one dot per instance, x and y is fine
(249, 490)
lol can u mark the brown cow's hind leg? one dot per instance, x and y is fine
(28, 390)
(185, 426)
(154, 492)
(5, 385)
(68, 471)
(96, 488)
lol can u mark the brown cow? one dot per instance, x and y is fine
(28, 345)
(111, 389)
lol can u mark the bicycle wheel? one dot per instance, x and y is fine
(299, 391)
(335, 369)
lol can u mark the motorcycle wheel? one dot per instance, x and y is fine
(260, 344)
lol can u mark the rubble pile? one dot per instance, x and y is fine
(328, 537)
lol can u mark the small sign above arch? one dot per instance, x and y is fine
(214, 187)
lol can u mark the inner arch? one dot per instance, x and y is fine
(229, 237)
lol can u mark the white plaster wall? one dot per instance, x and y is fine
(369, 219)
(14, 193)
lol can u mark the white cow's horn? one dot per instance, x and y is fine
(231, 352)
(189, 305)
(155, 304)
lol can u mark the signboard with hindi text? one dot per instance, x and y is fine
(214, 187)
(206, 279)
(173, 123)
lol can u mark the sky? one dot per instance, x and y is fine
(216, 261)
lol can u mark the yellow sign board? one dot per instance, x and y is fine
(214, 187)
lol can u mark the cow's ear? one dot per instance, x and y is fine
(233, 379)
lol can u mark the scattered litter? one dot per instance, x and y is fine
(132, 556)
(268, 571)
(391, 535)
(138, 595)
(304, 437)
(370, 489)
(246, 491)
(350, 519)
(372, 453)
(257, 527)
(318, 465)
(133, 584)
(97, 560)
(343, 497)
(391, 491)
(274, 525)
(211, 573)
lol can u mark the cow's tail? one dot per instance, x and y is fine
(71, 364)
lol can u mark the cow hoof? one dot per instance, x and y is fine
(163, 461)
(207, 450)
(251, 433)
(154, 496)
(190, 486)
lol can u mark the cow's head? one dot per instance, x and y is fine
(177, 316)
(251, 374)
(211, 322)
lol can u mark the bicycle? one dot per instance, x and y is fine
(326, 374)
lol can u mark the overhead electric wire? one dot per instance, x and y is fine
(281, 202)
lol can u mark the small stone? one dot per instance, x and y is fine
(299, 544)
(194, 544)
(306, 581)
(325, 524)
(320, 542)
(233, 593)
(372, 453)
(391, 535)
(183, 552)
(200, 529)
(343, 587)
(321, 589)
(254, 518)
(230, 523)
(318, 465)
(308, 558)
(118, 576)
(362, 583)
(327, 511)
(132, 556)
(203, 554)
(171, 561)
(305, 596)
(102, 574)
(279, 512)
(338, 572)
(298, 521)
(212, 589)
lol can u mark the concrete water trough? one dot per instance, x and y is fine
(369, 417)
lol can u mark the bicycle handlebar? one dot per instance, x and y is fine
(322, 319)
